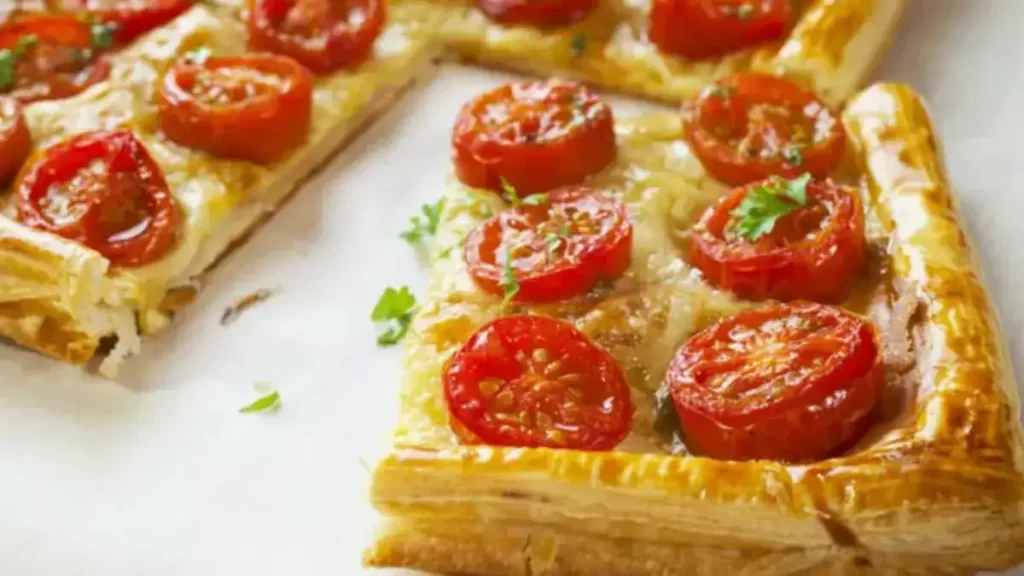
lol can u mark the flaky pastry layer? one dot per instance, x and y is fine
(935, 487)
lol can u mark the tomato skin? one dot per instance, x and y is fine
(742, 128)
(260, 128)
(131, 185)
(49, 69)
(537, 13)
(537, 382)
(323, 45)
(812, 254)
(548, 271)
(132, 20)
(535, 136)
(698, 29)
(761, 386)
(15, 139)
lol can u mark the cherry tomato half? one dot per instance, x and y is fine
(533, 135)
(323, 35)
(749, 126)
(811, 253)
(103, 190)
(54, 57)
(133, 18)
(254, 107)
(699, 29)
(537, 13)
(557, 248)
(792, 382)
(15, 140)
(535, 381)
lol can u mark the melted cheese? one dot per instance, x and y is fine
(642, 319)
(220, 199)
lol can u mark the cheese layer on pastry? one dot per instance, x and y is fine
(221, 199)
(833, 47)
(935, 485)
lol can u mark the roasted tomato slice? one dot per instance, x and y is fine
(554, 248)
(699, 29)
(254, 107)
(533, 135)
(15, 140)
(103, 190)
(52, 57)
(537, 13)
(749, 126)
(535, 381)
(132, 18)
(810, 252)
(792, 382)
(323, 35)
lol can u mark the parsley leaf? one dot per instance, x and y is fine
(513, 196)
(103, 34)
(24, 43)
(578, 45)
(793, 155)
(508, 280)
(395, 308)
(8, 68)
(764, 205)
(419, 228)
(721, 91)
(744, 11)
(269, 403)
(199, 55)
(553, 241)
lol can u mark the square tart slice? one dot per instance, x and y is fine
(834, 44)
(933, 488)
(63, 299)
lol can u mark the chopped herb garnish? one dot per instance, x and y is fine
(744, 11)
(578, 44)
(721, 91)
(553, 241)
(103, 34)
(793, 155)
(513, 196)
(394, 307)
(199, 55)
(24, 43)
(508, 284)
(764, 205)
(8, 67)
(419, 228)
(269, 403)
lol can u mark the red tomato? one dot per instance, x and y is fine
(811, 253)
(750, 126)
(15, 140)
(534, 135)
(54, 57)
(706, 28)
(323, 35)
(558, 248)
(254, 107)
(538, 13)
(132, 17)
(792, 382)
(536, 381)
(103, 190)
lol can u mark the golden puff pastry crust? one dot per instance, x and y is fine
(64, 300)
(833, 47)
(935, 488)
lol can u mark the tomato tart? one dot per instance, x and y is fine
(709, 356)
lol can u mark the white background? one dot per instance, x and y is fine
(158, 473)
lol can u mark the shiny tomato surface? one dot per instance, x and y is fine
(535, 381)
(698, 29)
(323, 35)
(15, 140)
(793, 382)
(103, 190)
(812, 253)
(749, 126)
(254, 107)
(53, 56)
(532, 136)
(131, 18)
(554, 249)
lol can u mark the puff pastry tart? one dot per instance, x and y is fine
(748, 340)
(128, 154)
(669, 49)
